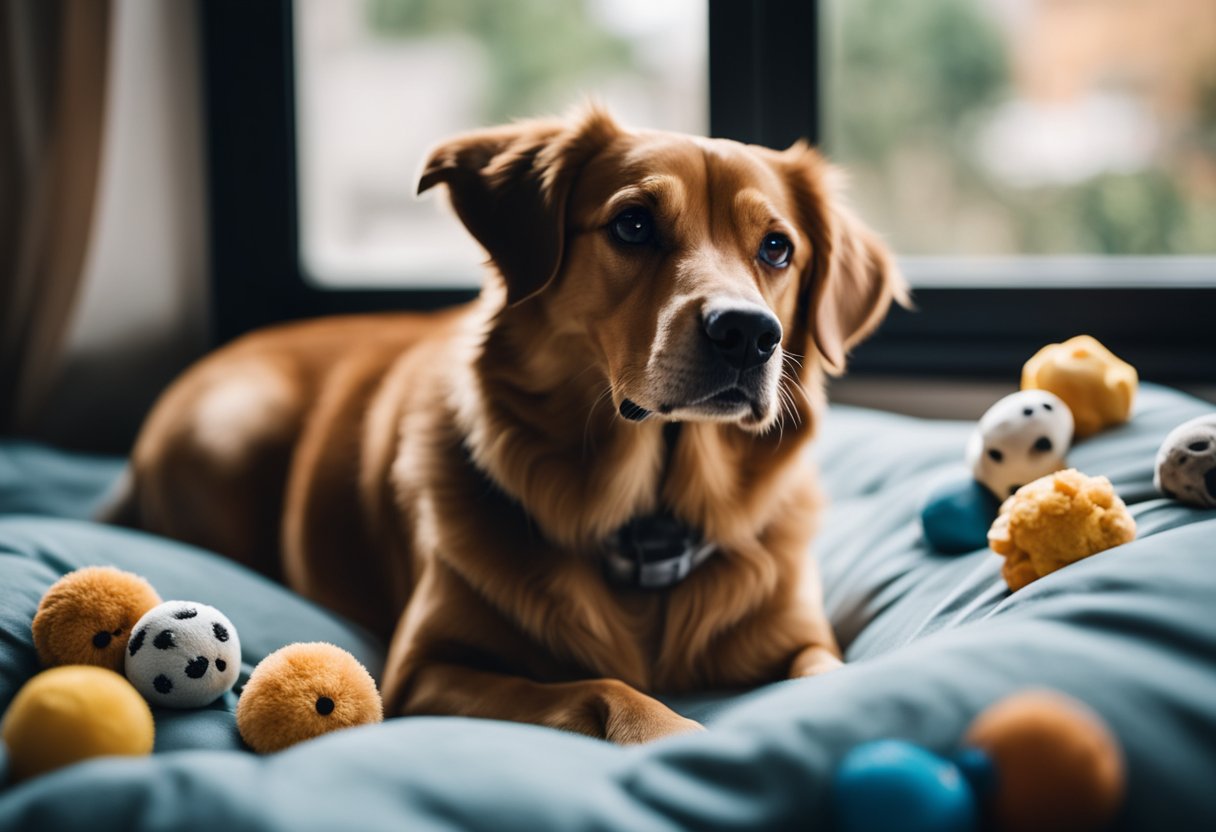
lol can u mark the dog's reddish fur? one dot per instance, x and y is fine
(449, 478)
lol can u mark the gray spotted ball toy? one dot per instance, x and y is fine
(183, 655)
(1186, 463)
(1022, 437)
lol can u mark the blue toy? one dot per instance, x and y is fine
(957, 514)
(892, 784)
(1035, 761)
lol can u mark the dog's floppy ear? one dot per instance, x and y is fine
(509, 187)
(852, 277)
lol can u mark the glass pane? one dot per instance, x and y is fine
(1015, 127)
(380, 81)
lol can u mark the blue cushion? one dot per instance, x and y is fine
(931, 641)
(35, 479)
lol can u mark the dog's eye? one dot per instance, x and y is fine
(776, 250)
(633, 226)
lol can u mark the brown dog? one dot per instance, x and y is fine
(501, 486)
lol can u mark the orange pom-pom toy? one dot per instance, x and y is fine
(1058, 766)
(302, 691)
(87, 615)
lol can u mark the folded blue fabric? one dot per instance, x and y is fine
(931, 641)
(35, 479)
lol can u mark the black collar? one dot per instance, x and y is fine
(656, 551)
(651, 551)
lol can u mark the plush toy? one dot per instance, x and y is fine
(1058, 765)
(1019, 439)
(73, 713)
(1035, 761)
(1022, 437)
(1186, 463)
(183, 655)
(302, 691)
(1055, 520)
(1097, 385)
(87, 616)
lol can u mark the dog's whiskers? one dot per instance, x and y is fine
(787, 398)
(587, 437)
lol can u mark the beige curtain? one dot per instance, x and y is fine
(53, 60)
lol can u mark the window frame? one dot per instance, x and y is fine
(763, 88)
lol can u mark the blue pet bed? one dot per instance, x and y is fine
(930, 640)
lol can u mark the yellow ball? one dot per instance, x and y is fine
(73, 713)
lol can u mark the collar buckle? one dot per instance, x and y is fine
(655, 551)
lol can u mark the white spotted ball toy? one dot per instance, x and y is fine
(183, 655)
(1022, 437)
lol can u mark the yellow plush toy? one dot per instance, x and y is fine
(73, 713)
(1055, 520)
(1096, 385)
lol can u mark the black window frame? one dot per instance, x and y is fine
(763, 88)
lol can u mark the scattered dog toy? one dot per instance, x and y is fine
(892, 784)
(1098, 386)
(1022, 437)
(1058, 767)
(302, 691)
(87, 616)
(74, 713)
(957, 514)
(1055, 520)
(1036, 760)
(183, 655)
(1186, 463)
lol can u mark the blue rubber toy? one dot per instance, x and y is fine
(891, 784)
(957, 514)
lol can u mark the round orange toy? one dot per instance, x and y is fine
(302, 691)
(1097, 385)
(1058, 766)
(87, 615)
(1055, 520)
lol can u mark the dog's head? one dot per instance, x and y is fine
(696, 273)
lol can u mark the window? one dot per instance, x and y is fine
(1045, 166)
(1020, 140)
(378, 82)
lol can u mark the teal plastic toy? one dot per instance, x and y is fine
(957, 514)
(892, 784)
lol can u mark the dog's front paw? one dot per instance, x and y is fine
(645, 720)
(812, 661)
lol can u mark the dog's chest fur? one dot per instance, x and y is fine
(557, 615)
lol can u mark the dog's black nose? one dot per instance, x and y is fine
(743, 337)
